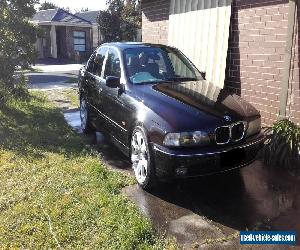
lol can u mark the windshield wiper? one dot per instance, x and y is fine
(182, 79)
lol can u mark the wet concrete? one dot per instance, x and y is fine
(209, 212)
(111, 155)
(108, 152)
(216, 208)
(72, 117)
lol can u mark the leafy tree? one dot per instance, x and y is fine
(109, 26)
(120, 21)
(47, 5)
(17, 36)
(131, 20)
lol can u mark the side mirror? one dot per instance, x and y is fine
(113, 82)
(203, 74)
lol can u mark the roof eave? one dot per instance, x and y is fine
(62, 23)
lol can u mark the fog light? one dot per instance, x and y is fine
(181, 171)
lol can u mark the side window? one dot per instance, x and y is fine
(99, 59)
(112, 67)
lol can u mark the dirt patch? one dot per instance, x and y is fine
(66, 99)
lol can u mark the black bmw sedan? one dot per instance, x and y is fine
(158, 109)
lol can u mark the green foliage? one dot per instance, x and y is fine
(47, 5)
(283, 146)
(120, 21)
(109, 26)
(17, 36)
(55, 193)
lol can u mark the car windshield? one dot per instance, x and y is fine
(154, 64)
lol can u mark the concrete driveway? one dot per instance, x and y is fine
(209, 212)
(53, 76)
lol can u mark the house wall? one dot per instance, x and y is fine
(70, 43)
(155, 25)
(255, 59)
(200, 29)
(67, 42)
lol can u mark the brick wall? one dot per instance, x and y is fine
(255, 58)
(155, 16)
(70, 42)
(293, 108)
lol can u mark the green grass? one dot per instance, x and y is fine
(29, 70)
(54, 193)
(72, 96)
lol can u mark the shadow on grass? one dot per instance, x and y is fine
(32, 126)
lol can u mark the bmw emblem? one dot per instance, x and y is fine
(227, 118)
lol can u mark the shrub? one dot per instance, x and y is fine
(17, 90)
(282, 147)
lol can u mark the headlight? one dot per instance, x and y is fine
(187, 139)
(254, 127)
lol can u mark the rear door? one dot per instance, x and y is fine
(95, 85)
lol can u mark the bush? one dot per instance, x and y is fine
(17, 90)
(282, 149)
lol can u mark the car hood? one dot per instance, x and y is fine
(196, 104)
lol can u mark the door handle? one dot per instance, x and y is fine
(100, 90)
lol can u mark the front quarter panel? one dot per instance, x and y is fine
(155, 125)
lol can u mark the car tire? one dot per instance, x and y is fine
(142, 159)
(86, 125)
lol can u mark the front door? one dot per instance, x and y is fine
(114, 99)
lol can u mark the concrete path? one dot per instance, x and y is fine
(54, 76)
(58, 68)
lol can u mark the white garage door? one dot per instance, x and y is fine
(200, 28)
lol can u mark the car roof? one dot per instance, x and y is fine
(133, 45)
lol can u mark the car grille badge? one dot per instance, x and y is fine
(227, 118)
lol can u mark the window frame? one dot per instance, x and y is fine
(89, 67)
(81, 38)
(104, 60)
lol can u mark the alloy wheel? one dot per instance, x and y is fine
(139, 157)
(83, 114)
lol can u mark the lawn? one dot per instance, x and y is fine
(55, 193)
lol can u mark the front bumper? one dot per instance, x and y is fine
(206, 161)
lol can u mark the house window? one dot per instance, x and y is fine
(79, 41)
